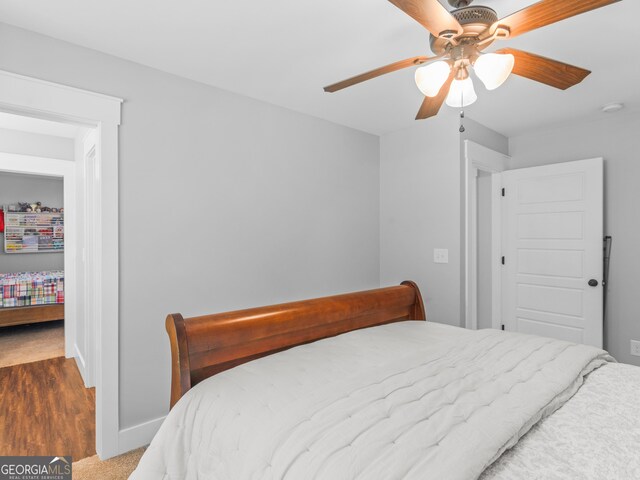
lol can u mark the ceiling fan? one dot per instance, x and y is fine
(458, 38)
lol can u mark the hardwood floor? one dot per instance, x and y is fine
(46, 410)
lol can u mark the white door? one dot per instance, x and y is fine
(552, 244)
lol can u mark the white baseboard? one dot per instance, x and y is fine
(82, 366)
(138, 435)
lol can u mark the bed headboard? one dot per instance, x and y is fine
(206, 345)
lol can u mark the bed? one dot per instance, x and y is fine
(31, 297)
(359, 386)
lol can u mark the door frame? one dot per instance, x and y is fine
(37, 98)
(478, 157)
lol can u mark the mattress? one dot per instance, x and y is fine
(411, 400)
(31, 288)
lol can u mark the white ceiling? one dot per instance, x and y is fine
(285, 51)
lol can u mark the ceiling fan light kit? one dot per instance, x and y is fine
(462, 93)
(494, 68)
(430, 78)
(458, 38)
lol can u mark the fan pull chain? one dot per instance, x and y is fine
(461, 129)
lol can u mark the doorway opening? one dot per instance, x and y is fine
(482, 236)
(43, 362)
(484, 244)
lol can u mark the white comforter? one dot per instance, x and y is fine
(407, 400)
(594, 436)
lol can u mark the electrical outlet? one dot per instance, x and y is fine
(635, 348)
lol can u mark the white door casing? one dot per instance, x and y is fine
(552, 242)
(42, 99)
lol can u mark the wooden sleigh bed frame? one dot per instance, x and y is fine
(206, 345)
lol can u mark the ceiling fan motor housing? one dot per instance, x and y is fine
(460, 3)
(474, 21)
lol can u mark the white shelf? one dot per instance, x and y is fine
(33, 232)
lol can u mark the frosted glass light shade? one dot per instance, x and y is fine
(430, 78)
(461, 93)
(493, 69)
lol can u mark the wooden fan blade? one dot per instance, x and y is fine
(541, 69)
(547, 12)
(376, 73)
(431, 105)
(431, 15)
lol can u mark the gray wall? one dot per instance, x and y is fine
(616, 139)
(225, 202)
(420, 211)
(30, 188)
(421, 195)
